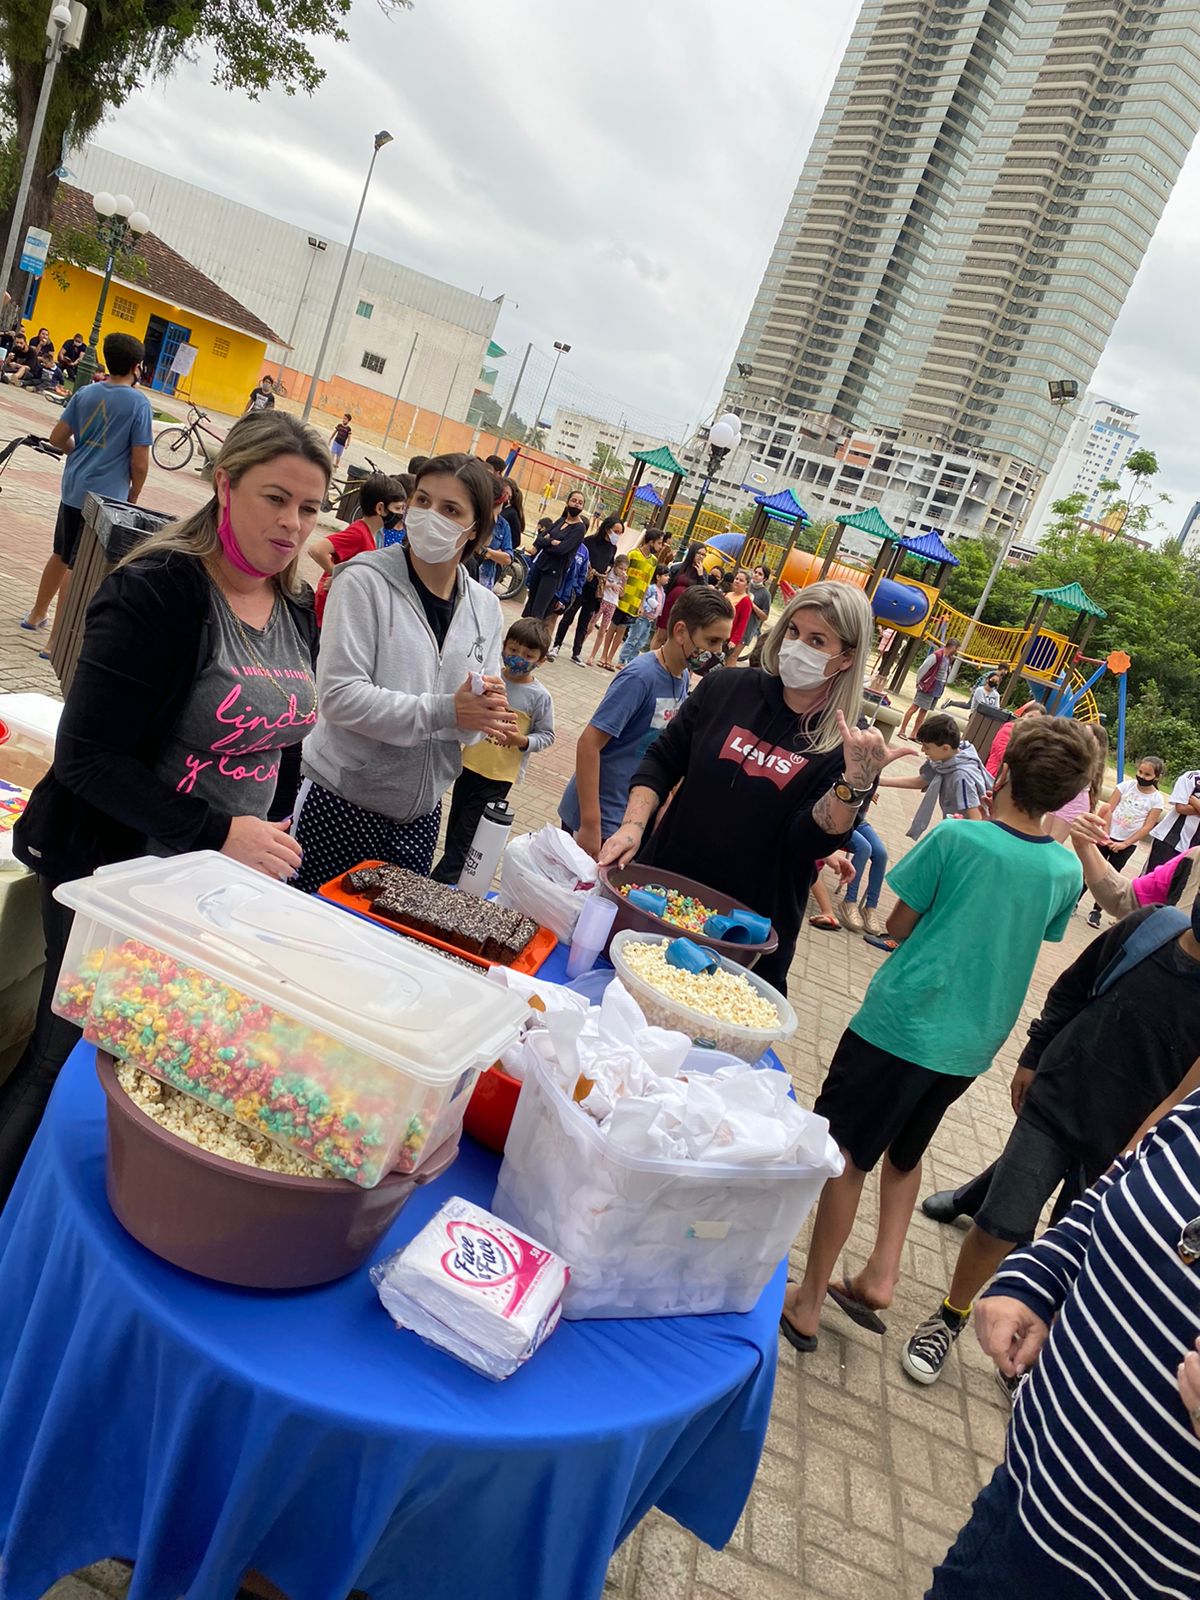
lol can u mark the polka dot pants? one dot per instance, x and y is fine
(336, 835)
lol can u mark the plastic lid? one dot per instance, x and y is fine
(358, 983)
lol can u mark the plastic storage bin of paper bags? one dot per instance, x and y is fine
(647, 1238)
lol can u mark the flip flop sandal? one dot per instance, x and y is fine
(805, 1343)
(879, 942)
(857, 1310)
(825, 924)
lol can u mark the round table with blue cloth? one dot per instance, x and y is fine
(202, 1431)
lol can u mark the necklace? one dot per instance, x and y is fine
(288, 696)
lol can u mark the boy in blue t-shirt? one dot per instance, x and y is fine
(975, 902)
(636, 707)
(107, 430)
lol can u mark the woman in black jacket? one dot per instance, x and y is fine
(765, 770)
(182, 727)
(601, 547)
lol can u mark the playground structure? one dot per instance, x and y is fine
(1043, 658)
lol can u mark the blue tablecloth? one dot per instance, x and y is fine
(202, 1431)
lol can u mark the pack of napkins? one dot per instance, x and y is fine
(473, 1286)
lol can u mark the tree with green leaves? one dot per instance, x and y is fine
(606, 464)
(256, 46)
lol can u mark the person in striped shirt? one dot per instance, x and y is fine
(1099, 1491)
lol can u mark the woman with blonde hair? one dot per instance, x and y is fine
(181, 728)
(768, 769)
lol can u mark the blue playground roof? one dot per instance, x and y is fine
(648, 495)
(929, 547)
(782, 507)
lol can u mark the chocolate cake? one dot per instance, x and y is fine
(478, 927)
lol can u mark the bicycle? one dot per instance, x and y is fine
(512, 579)
(173, 448)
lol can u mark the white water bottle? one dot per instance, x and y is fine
(486, 848)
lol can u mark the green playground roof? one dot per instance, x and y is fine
(1072, 598)
(868, 521)
(660, 458)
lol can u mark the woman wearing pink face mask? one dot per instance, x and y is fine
(182, 727)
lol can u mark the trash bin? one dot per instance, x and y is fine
(347, 506)
(111, 529)
(982, 726)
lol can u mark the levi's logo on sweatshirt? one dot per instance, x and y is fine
(761, 760)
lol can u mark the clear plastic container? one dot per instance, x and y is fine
(30, 722)
(332, 1037)
(711, 1032)
(644, 1237)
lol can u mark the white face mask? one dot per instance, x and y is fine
(802, 666)
(432, 536)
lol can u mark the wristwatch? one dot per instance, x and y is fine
(848, 796)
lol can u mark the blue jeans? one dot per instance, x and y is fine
(993, 1555)
(636, 635)
(866, 845)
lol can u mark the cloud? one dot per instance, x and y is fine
(619, 173)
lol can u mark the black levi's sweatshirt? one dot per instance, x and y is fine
(741, 820)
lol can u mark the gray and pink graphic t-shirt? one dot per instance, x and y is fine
(255, 696)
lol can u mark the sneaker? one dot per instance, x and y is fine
(1094, 917)
(552, 652)
(941, 1206)
(924, 1356)
(577, 661)
(849, 916)
(872, 921)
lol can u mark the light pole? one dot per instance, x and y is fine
(560, 350)
(1062, 391)
(724, 435)
(381, 138)
(316, 245)
(56, 31)
(120, 226)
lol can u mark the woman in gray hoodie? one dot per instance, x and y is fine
(409, 672)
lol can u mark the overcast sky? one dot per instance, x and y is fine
(619, 173)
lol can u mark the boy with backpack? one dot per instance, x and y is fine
(928, 1025)
(1114, 1048)
(932, 677)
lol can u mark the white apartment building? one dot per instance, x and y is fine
(575, 435)
(1099, 441)
(287, 276)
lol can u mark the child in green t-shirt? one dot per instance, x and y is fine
(975, 902)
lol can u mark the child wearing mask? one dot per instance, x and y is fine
(490, 768)
(381, 506)
(636, 707)
(1134, 808)
(951, 775)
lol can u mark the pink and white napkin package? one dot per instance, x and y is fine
(473, 1286)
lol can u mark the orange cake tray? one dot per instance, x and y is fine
(529, 960)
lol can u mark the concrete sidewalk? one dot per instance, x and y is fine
(866, 1477)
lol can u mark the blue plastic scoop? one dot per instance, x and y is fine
(689, 957)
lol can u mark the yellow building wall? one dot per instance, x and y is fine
(227, 362)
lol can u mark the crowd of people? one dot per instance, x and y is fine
(35, 362)
(219, 704)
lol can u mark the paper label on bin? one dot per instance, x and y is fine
(708, 1230)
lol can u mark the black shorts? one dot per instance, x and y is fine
(67, 530)
(622, 619)
(1031, 1167)
(878, 1104)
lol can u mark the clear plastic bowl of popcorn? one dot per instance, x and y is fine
(727, 1026)
(327, 1035)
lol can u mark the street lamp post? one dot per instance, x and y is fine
(381, 138)
(119, 227)
(724, 435)
(1062, 392)
(316, 246)
(560, 350)
(56, 30)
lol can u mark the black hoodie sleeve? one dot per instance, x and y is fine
(136, 642)
(1072, 990)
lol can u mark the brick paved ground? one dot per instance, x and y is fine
(865, 1477)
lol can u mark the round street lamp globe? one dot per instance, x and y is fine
(139, 223)
(104, 204)
(123, 205)
(721, 436)
(61, 15)
(732, 420)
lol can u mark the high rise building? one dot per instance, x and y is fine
(1101, 437)
(1189, 534)
(978, 197)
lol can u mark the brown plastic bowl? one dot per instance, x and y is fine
(613, 879)
(223, 1220)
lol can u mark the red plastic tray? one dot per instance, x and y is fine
(529, 960)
